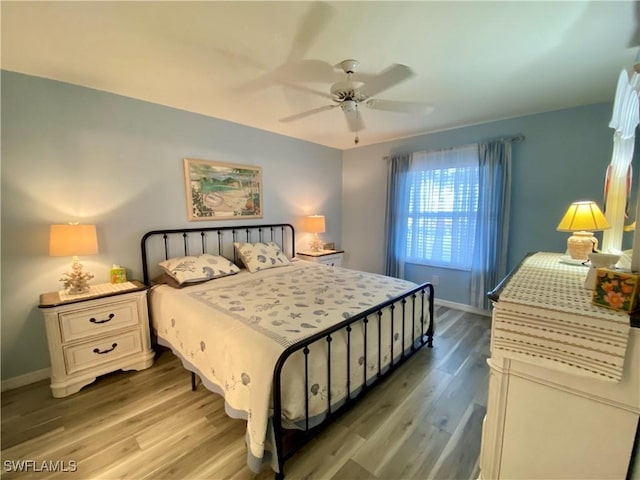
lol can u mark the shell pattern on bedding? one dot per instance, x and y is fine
(298, 302)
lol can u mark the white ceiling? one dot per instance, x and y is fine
(473, 61)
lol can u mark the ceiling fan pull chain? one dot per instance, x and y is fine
(357, 140)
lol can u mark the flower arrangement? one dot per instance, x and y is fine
(616, 290)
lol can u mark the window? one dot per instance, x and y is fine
(442, 205)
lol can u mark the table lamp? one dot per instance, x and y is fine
(73, 240)
(315, 224)
(582, 219)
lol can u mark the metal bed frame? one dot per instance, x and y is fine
(411, 306)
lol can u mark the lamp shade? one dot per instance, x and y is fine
(315, 224)
(583, 216)
(72, 240)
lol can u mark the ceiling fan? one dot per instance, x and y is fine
(350, 95)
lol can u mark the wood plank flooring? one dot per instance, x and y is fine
(424, 422)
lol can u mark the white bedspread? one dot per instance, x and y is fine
(232, 330)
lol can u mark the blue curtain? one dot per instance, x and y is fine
(492, 230)
(395, 215)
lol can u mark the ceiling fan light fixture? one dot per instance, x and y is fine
(349, 106)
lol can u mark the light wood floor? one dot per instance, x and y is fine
(424, 422)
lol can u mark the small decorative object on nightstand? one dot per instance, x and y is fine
(332, 258)
(101, 331)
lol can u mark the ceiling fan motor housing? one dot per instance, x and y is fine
(347, 90)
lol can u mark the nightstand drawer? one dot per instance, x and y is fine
(101, 319)
(91, 354)
(332, 260)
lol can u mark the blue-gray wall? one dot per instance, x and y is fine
(563, 159)
(72, 153)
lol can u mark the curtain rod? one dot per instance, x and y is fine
(514, 139)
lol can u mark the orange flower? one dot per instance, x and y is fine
(626, 288)
(607, 286)
(615, 299)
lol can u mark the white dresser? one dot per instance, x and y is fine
(564, 386)
(96, 334)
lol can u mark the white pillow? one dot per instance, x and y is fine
(198, 269)
(261, 256)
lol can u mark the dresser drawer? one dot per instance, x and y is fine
(90, 354)
(100, 319)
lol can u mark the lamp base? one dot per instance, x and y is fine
(581, 244)
(315, 245)
(76, 281)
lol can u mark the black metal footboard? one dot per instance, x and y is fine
(408, 309)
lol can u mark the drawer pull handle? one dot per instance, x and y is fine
(111, 315)
(97, 350)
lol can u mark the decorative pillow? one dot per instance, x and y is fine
(260, 256)
(197, 269)
(166, 279)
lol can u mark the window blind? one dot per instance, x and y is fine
(442, 206)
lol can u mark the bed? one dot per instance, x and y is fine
(289, 344)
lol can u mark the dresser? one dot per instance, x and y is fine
(97, 333)
(564, 382)
(333, 258)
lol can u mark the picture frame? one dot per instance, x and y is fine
(222, 191)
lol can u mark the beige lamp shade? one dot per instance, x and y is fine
(583, 216)
(315, 224)
(72, 240)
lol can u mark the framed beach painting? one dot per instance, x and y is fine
(220, 191)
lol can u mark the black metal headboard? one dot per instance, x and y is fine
(159, 245)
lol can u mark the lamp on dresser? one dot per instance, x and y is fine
(582, 219)
(315, 224)
(73, 240)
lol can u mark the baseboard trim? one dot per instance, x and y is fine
(461, 306)
(26, 379)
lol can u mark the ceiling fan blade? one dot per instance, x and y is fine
(309, 71)
(307, 90)
(287, 73)
(263, 81)
(298, 116)
(393, 75)
(354, 120)
(398, 106)
(238, 59)
(315, 20)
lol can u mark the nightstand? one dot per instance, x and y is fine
(332, 258)
(91, 334)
